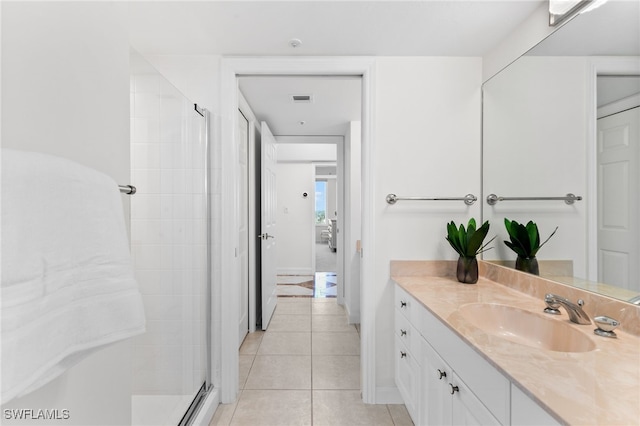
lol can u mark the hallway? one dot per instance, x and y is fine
(304, 370)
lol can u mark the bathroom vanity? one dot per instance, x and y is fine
(487, 354)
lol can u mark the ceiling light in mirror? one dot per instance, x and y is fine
(561, 10)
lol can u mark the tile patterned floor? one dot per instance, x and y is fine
(304, 370)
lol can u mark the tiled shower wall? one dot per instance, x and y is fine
(168, 232)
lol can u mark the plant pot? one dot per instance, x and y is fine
(528, 264)
(467, 270)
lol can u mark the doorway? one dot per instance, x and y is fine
(314, 120)
(231, 69)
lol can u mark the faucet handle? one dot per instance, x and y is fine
(606, 325)
(552, 304)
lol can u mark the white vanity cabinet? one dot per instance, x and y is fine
(441, 379)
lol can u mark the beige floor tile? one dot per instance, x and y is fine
(290, 323)
(292, 308)
(335, 343)
(285, 343)
(273, 408)
(246, 361)
(323, 300)
(400, 415)
(251, 343)
(323, 308)
(346, 408)
(335, 372)
(280, 372)
(298, 300)
(330, 323)
(224, 413)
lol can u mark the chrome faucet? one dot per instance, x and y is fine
(574, 310)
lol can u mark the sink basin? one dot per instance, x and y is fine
(526, 328)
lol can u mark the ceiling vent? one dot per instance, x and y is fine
(301, 99)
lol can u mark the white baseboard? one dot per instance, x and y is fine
(295, 271)
(354, 317)
(388, 396)
(208, 409)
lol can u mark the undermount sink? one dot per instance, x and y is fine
(526, 328)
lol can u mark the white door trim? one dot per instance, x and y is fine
(599, 65)
(245, 108)
(230, 69)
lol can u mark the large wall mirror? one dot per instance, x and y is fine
(564, 119)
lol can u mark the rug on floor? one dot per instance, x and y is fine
(320, 285)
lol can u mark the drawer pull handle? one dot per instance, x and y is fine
(454, 389)
(441, 374)
(403, 332)
(403, 304)
(403, 354)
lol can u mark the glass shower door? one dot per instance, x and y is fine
(169, 246)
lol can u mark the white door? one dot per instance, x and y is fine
(268, 208)
(618, 189)
(242, 145)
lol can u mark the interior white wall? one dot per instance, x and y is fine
(332, 199)
(353, 211)
(295, 218)
(535, 130)
(65, 91)
(306, 152)
(427, 131)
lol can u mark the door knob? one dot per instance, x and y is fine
(454, 389)
(441, 374)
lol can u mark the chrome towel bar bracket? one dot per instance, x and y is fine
(127, 189)
(468, 199)
(492, 199)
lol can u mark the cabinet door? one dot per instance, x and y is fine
(466, 407)
(407, 378)
(435, 400)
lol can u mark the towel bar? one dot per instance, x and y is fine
(127, 189)
(492, 199)
(468, 199)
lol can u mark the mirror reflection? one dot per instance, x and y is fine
(564, 119)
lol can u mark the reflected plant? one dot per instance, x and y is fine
(525, 239)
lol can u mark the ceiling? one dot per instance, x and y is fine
(377, 28)
(335, 101)
(325, 28)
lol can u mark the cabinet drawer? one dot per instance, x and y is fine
(407, 305)
(407, 333)
(407, 374)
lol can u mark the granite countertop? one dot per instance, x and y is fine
(601, 386)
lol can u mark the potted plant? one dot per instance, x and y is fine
(468, 244)
(525, 241)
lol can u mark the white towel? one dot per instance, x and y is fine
(67, 278)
